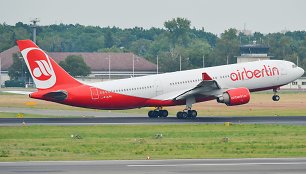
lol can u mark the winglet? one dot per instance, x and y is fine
(206, 77)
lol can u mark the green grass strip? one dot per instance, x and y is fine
(25, 143)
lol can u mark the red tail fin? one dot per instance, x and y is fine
(46, 73)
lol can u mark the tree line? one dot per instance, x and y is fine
(177, 40)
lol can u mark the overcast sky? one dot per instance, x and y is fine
(214, 15)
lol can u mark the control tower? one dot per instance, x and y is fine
(253, 52)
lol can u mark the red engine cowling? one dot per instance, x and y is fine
(232, 97)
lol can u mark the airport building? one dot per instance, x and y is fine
(103, 66)
(299, 84)
(253, 52)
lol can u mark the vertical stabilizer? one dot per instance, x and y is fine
(46, 73)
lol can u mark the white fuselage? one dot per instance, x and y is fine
(253, 75)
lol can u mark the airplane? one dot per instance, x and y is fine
(228, 84)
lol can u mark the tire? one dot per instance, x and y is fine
(275, 98)
(192, 113)
(184, 115)
(150, 114)
(163, 113)
(179, 115)
(153, 114)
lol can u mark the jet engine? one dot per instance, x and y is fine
(232, 97)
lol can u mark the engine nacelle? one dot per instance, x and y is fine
(232, 97)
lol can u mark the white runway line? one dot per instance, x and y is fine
(216, 164)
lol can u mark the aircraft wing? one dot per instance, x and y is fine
(206, 88)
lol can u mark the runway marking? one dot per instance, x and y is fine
(215, 164)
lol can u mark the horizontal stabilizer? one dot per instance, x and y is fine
(19, 92)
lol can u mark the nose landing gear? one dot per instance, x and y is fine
(275, 97)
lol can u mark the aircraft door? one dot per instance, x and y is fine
(94, 93)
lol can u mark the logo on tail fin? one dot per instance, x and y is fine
(43, 71)
(40, 67)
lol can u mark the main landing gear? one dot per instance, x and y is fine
(275, 97)
(158, 112)
(188, 112)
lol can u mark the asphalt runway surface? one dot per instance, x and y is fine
(293, 120)
(72, 117)
(216, 166)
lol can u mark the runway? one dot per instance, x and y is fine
(293, 120)
(66, 113)
(92, 117)
(197, 166)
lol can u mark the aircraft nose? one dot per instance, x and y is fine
(301, 71)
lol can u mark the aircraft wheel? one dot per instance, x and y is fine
(179, 115)
(275, 98)
(163, 113)
(192, 113)
(153, 114)
(182, 115)
(150, 113)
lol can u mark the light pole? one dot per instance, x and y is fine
(157, 64)
(180, 63)
(22, 70)
(133, 65)
(109, 67)
(34, 26)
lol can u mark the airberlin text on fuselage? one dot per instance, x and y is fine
(257, 73)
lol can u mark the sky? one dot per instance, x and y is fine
(216, 16)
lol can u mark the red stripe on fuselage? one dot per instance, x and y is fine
(81, 96)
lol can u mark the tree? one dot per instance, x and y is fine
(140, 46)
(227, 47)
(178, 29)
(18, 71)
(196, 51)
(108, 40)
(75, 66)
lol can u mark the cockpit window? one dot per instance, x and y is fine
(294, 66)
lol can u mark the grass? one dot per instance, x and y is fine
(157, 141)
